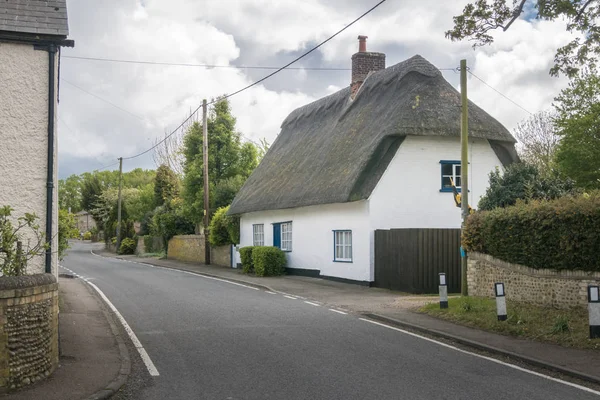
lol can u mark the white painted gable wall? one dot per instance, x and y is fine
(407, 196)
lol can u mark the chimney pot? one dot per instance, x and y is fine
(362, 43)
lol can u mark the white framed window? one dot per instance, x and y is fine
(342, 246)
(450, 171)
(258, 235)
(286, 236)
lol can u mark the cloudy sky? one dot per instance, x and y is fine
(108, 109)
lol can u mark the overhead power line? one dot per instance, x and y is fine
(100, 98)
(262, 79)
(208, 66)
(501, 94)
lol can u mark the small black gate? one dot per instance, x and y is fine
(410, 260)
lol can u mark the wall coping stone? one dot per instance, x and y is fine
(26, 281)
(537, 273)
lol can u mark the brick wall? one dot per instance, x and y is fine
(28, 329)
(190, 248)
(362, 64)
(562, 289)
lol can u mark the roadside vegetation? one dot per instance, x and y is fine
(567, 328)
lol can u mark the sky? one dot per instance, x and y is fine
(109, 110)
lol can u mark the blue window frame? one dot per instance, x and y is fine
(450, 169)
(342, 246)
(282, 235)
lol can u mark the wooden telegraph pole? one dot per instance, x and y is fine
(206, 197)
(464, 169)
(119, 204)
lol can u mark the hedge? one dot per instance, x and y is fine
(561, 234)
(268, 261)
(128, 246)
(246, 256)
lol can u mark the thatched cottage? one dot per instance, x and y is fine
(378, 154)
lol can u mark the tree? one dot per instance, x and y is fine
(483, 16)
(229, 163)
(166, 185)
(67, 229)
(169, 152)
(523, 181)
(169, 220)
(578, 122)
(69, 193)
(538, 140)
(91, 191)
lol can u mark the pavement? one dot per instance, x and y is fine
(95, 361)
(398, 309)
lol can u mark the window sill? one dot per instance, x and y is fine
(449, 190)
(286, 251)
(343, 261)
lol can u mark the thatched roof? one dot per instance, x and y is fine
(335, 150)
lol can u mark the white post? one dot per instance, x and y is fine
(500, 301)
(594, 310)
(443, 291)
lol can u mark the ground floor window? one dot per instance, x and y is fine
(258, 234)
(286, 236)
(342, 246)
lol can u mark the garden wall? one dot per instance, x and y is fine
(190, 248)
(545, 287)
(149, 244)
(28, 329)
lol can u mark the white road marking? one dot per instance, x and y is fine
(290, 297)
(337, 311)
(585, 389)
(138, 345)
(266, 291)
(312, 304)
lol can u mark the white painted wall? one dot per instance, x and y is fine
(408, 194)
(24, 137)
(312, 237)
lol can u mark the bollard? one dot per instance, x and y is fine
(443, 291)
(594, 310)
(500, 301)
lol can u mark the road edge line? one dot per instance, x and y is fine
(134, 339)
(480, 346)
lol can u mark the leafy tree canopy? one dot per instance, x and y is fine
(578, 122)
(166, 185)
(230, 161)
(481, 17)
(523, 181)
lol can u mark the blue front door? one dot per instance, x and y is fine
(277, 235)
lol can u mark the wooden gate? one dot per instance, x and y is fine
(410, 260)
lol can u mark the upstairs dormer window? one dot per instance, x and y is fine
(450, 173)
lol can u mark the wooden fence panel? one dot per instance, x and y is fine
(410, 260)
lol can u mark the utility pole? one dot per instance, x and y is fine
(205, 164)
(119, 204)
(464, 169)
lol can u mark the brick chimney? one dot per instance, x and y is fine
(364, 62)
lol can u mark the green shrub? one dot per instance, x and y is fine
(153, 244)
(268, 261)
(224, 229)
(87, 235)
(246, 256)
(128, 246)
(113, 240)
(556, 234)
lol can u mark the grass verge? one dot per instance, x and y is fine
(567, 328)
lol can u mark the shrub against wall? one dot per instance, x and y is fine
(268, 261)
(246, 258)
(128, 246)
(557, 234)
(224, 229)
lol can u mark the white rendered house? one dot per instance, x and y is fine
(31, 34)
(376, 155)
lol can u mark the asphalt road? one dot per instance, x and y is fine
(211, 339)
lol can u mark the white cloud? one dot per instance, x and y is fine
(256, 32)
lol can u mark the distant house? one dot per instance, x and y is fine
(31, 35)
(85, 221)
(378, 154)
